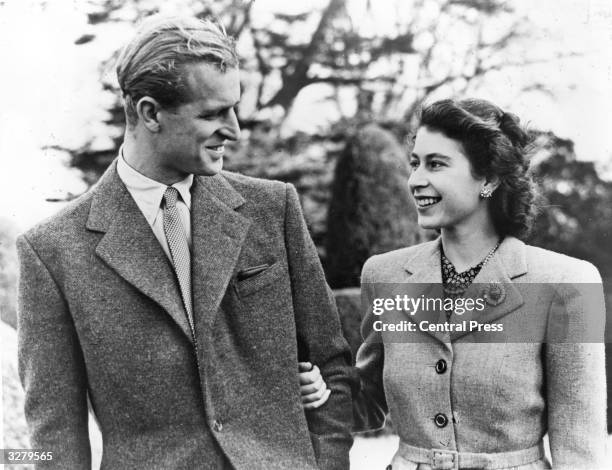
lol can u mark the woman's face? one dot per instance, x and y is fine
(443, 186)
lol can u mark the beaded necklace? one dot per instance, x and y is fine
(455, 284)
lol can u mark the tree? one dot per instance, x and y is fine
(8, 272)
(575, 206)
(371, 208)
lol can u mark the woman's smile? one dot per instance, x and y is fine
(425, 202)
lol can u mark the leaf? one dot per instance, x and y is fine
(290, 18)
(84, 39)
(488, 7)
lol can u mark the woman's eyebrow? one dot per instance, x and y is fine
(437, 155)
(432, 155)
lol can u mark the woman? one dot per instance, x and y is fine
(473, 399)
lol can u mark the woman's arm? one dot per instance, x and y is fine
(369, 402)
(576, 379)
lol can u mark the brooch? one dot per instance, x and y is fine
(494, 293)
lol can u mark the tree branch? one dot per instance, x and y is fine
(482, 70)
(336, 80)
(296, 77)
(236, 28)
(262, 65)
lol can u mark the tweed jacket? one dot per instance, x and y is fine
(449, 391)
(101, 318)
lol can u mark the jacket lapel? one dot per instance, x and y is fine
(424, 266)
(508, 263)
(425, 273)
(218, 233)
(495, 283)
(130, 247)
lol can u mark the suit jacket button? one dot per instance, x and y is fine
(441, 366)
(441, 420)
(218, 425)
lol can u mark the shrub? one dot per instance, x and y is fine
(371, 210)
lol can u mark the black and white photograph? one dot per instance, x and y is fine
(326, 234)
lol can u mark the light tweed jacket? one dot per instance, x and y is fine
(498, 396)
(100, 315)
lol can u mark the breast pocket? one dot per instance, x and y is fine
(247, 283)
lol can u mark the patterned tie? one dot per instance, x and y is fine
(179, 249)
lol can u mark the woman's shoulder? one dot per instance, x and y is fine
(392, 261)
(550, 266)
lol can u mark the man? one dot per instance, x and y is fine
(175, 296)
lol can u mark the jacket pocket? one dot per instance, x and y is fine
(246, 287)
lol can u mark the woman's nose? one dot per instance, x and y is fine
(417, 179)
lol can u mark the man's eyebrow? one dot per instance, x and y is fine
(222, 107)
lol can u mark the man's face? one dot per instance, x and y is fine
(192, 136)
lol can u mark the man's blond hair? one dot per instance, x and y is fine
(152, 63)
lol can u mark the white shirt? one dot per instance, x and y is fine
(148, 194)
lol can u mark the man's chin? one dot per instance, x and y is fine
(207, 173)
(210, 170)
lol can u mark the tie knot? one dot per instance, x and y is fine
(171, 196)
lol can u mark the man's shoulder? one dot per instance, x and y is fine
(256, 190)
(63, 224)
(240, 181)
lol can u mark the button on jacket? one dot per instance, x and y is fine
(101, 316)
(449, 392)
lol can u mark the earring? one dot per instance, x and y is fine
(486, 193)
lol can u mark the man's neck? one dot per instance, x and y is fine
(133, 151)
(138, 153)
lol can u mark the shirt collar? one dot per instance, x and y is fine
(147, 192)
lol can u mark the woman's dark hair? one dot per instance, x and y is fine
(496, 145)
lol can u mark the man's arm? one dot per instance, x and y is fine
(369, 403)
(320, 340)
(51, 367)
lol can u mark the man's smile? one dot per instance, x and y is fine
(216, 150)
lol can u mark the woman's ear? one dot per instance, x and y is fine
(492, 183)
(147, 109)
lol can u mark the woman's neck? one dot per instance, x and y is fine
(466, 248)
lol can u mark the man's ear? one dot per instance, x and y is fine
(147, 109)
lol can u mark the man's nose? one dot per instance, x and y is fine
(231, 128)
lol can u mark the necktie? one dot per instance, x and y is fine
(179, 249)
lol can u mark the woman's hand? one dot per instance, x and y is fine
(313, 388)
